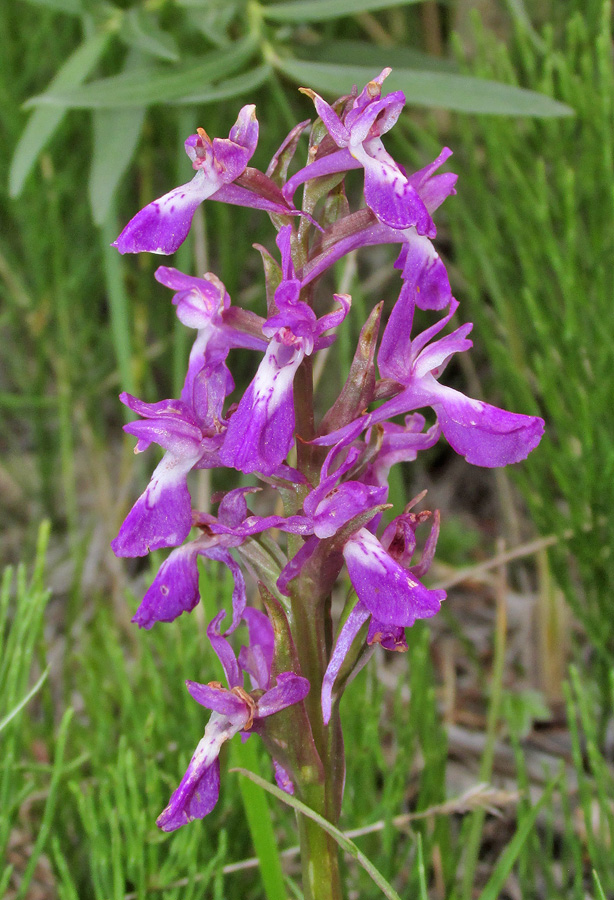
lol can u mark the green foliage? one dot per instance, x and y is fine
(157, 39)
(116, 760)
(533, 240)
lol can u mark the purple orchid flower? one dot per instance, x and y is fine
(485, 435)
(388, 192)
(234, 710)
(425, 280)
(162, 226)
(204, 304)
(174, 590)
(261, 430)
(399, 443)
(390, 596)
(389, 593)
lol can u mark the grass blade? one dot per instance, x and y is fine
(507, 859)
(345, 843)
(17, 709)
(261, 829)
(598, 888)
(232, 87)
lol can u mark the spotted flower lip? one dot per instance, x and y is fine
(388, 192)
(234, 710)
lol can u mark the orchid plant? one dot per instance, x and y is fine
(286, 684)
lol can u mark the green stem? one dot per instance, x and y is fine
(319, 862)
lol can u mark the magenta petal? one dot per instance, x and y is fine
(354, 622)
(173, 591)
(219, 700)
(195, 797)
(257, 658)
(350, 499)
(389, 591)
(179, 437)
(332, 122)
(388, 193)
(162, 226)
(162, 516)
(244, 132)
(339, 161)
(425, 278)
(294, 566)
(283, 778)
(224, 651)
(483, 434)
(434, 189)
(290, 689)
(261, 431)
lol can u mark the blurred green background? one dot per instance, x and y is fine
(95, 725)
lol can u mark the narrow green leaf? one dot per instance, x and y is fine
(433, 89)
(53, 795)
(320, 10)
(17, 709)
(347, 52)
(116, 135)
(43, 122)
(232, 87)
(258, 816)
(421, 871)
(344, 842)
(598, 888)
(509, 856)
(119, 304)
(141, 31)
(146, 87)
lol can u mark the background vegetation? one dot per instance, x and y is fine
(480, 764)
